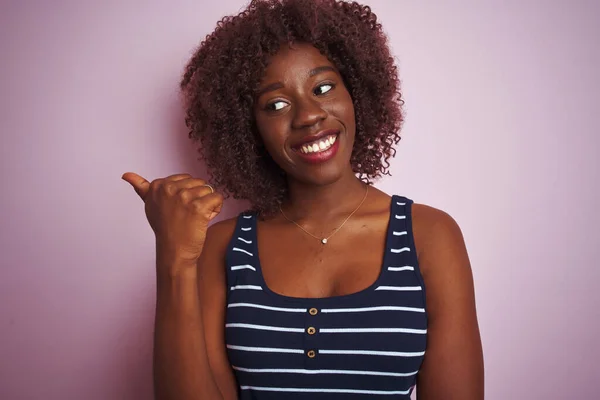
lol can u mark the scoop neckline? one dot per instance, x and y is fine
(329, 299)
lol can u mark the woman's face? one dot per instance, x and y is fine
(305, 115)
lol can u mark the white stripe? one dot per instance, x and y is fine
(398, 250)
(400, 233)
(242, 250)
(302, 310)
(249, 287)
(245, 241)
(373, 330)
(374, 353)
(265, 349)
(246, 229)
(323, 371)
(400, 216)
(380, 308)
(405, 268)
(237, 267)
(313, 390)
(247, 216)
(400, 204)
(265, 328)
(400, 288)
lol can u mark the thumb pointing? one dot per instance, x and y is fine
(140, 185)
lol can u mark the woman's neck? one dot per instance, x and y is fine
(310, 202)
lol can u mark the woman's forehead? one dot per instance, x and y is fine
(303, 59)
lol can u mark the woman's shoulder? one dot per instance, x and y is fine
(222, 231)
(218, 237)
(432, 220)
(437, 236)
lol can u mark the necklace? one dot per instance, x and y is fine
(325, 239)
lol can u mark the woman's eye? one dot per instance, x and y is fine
(324, 88)
(279, 105)
(276, 105)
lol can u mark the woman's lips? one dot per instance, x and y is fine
(320, 150)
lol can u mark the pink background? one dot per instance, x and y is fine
(502, 132)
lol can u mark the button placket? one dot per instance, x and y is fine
(310, 336)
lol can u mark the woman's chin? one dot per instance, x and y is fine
(323, 175)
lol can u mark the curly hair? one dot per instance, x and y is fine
(220, 81)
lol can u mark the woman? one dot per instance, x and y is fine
(297, 107)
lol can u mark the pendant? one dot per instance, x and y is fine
(324, 241)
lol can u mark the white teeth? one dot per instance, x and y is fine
(318, 146)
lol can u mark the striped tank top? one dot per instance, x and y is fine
(368, 344)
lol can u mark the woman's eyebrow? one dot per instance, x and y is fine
(269, 88)
(321, 69)
(279, 85)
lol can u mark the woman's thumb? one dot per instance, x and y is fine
(140, 185)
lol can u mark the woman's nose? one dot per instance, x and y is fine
(308, 112)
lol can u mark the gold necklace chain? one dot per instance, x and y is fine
(325, 239)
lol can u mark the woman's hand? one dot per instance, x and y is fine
(179, 209)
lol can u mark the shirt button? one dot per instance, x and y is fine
(311, 354)
(311, 331)
(313, 311)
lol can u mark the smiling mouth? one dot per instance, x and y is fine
(317, 146)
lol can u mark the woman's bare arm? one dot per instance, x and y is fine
(181, 367)
(213, 290)
(453, 364)
(191, 345)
